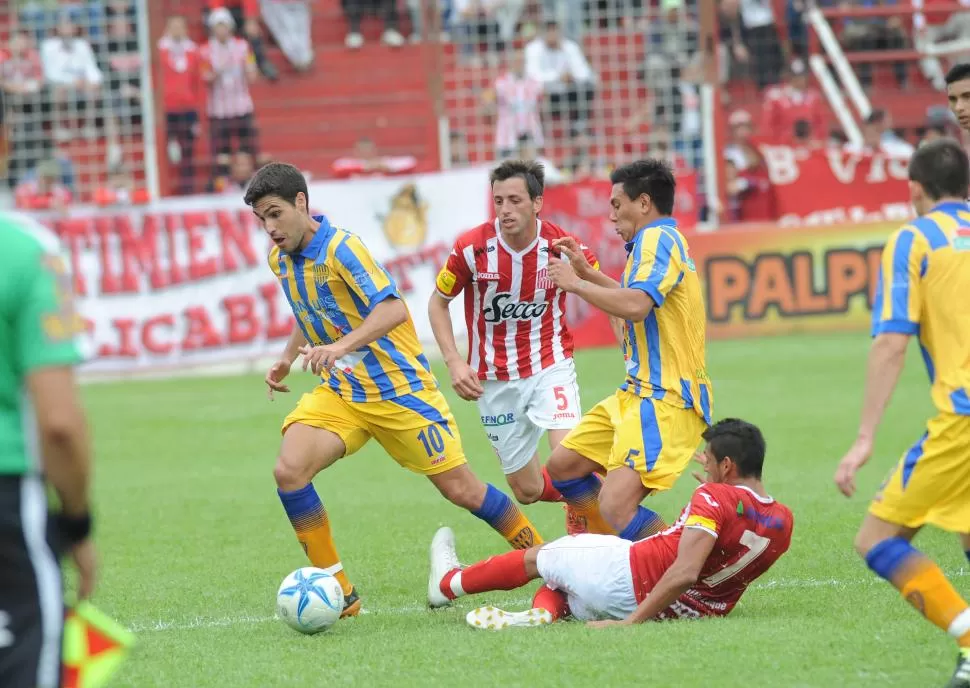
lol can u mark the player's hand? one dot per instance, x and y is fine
(606, 623)
(320, 358)
(563, 275)
(465, 380)
(854, 459)
(86, 561)
(701, 458)
(571, 251)
(275, 376)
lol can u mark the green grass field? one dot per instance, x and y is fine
(194, 543)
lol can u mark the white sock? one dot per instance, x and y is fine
(456, 588)
(958, 628)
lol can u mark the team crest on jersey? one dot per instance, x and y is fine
(320, 272)
(543, 281)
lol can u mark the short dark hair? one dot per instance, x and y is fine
(958, 72)
(529, 171)
(740, 441)
(942, 168)
(652, 177)
(276, 179)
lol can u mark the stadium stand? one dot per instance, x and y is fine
(583, 84)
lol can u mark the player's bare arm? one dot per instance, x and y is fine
(695, 546)
(626, 304)
(464, 379)
(281, 368)
(886, 359)
(383, 318)
(66, 458)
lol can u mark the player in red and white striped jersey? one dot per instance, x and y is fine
(519, 366)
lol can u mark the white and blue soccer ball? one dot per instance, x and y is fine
(310, 600)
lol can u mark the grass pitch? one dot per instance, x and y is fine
(194, 544)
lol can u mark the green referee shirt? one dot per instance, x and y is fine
(38, 328)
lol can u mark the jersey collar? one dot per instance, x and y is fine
(950, 206)
(656, 223)
(763, 500)
(320, 238)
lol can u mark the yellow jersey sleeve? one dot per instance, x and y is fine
(896, 307)
(365, 277)
(658, 265)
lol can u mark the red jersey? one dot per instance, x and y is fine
(783, 106)
(181, 75)
(250, 8)
(515, 315)
(752, 533)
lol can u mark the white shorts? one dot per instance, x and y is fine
(515, 413)
(593, 571)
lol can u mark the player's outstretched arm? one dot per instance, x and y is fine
(695, 546)
(383, 318)
(626, 304)
(573, 252)
(886, 359)
(464, 379)
(281, 368)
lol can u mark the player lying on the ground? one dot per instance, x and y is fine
(354, 329)
(729, 534)
(924, 291)
(520, 350)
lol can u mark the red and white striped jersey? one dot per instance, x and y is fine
(517, 101)
(229, 91)
(514, 313)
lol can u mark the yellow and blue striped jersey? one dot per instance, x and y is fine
(924, 290)
(665, 353)
(332, 285)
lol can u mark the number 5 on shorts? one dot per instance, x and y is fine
(432, 440)
(562, 401)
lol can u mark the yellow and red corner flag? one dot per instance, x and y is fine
(94, 647)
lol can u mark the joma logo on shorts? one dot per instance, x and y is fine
(501, 419)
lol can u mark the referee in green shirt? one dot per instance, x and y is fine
(43, 441)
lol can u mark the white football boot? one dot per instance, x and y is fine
(494, 619)
(443, 559)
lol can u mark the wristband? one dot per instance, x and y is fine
(75, 528)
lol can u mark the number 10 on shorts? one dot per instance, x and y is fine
(432, 440)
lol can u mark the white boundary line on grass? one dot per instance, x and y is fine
(160, 626)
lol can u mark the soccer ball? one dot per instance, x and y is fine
(310, 600)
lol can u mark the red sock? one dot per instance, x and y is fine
(501, 572)
(549, 493)
(553, 601)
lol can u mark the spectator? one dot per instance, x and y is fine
(367, 161)
(289, 21)
(243, 168)
(560, 66)
(74, 77)
(878, 137)
(21, 78)
(940, 33)
(181, 85)
(741, 150)
(761, 36)
(245, 13)
(529, 151)
(228, 67)
(751, 196)
(873, 33)
(516, 98)
(568, 14)
(488, 22)
(790, 102)
(38, 17)
(42, 189)
(122, 60)
(734, 54)
(458, 144)
(387, 9)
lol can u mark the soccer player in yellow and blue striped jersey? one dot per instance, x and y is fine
(354, 329)
(644, 435)
(923, 292)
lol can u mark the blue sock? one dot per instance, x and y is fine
(644, 524)
(581, 493)
(886, 557)
(500, 512)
